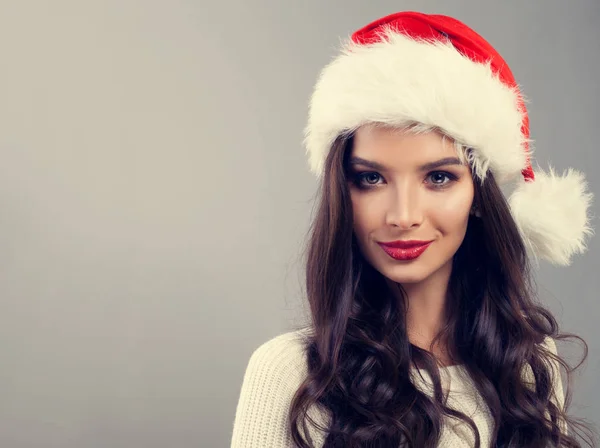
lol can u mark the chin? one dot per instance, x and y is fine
(406, 274)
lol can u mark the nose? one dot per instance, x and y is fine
(405, 208)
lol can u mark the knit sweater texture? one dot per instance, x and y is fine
(278, 367)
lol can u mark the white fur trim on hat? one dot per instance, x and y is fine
(400, 80)
(552, 214)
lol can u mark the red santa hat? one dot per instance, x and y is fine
(434, 70)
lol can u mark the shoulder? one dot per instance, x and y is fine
(274, 372)
(282, 353)
(558, 392)
(549, 344)
(279, 362)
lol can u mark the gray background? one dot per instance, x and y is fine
(154, 198)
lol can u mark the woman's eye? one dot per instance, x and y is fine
(370, 178)
(366, 179)
(441, 178)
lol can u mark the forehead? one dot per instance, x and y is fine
(401, 145)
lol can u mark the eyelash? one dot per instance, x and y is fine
(359, 176)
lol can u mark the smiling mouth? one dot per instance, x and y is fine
(405, 250)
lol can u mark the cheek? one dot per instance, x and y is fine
(366, 218)
(453, 210)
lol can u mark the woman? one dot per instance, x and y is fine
(425, 329)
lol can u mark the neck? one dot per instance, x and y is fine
(426, 310)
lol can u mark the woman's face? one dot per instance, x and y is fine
(407, 187)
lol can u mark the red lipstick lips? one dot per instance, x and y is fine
(405, 250)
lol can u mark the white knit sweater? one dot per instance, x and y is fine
(277, 368)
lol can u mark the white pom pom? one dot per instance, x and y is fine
(552, 215)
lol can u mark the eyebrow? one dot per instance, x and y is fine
(426, 167)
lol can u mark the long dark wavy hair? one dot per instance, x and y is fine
(359, 355)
